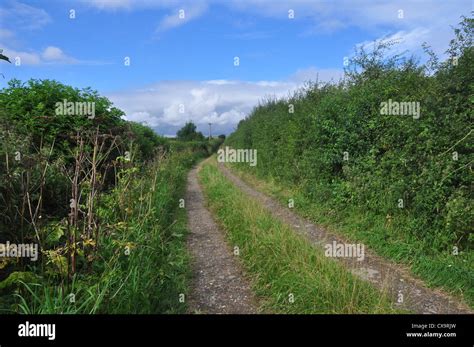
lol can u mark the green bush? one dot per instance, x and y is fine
(128, 182)
(389, 157)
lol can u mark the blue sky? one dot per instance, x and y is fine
(182, 67)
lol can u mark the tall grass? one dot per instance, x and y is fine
(288, 273)
(455, 274)
(142, 263)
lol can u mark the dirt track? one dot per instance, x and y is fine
(218, 284)
(388, 277)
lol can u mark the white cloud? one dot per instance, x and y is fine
(27, 58)
(361, 13)
(50, 55)
(192, 9)
(23, 16)
(144, 118)
(221, 102)
(55, 54)
(403, 40)
(422, 20)
(220, 82)
(181, 15)
(380, 18)
(109, 4)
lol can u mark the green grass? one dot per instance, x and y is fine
(454, 274)
(142, 265)
(282, 264)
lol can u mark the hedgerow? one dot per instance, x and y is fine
(340, 151)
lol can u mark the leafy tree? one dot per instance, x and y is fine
(147, 140)
(39, 146)
(188, 133)
(30, 108)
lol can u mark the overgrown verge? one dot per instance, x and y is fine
(399, 182)
(289, 275)
(92, 202)
(141, 265)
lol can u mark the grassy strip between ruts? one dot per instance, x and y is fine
(289, 275)
(453, 274)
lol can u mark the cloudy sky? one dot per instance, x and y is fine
(183, 55)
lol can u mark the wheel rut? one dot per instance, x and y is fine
(218, 285)
(406, 291)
